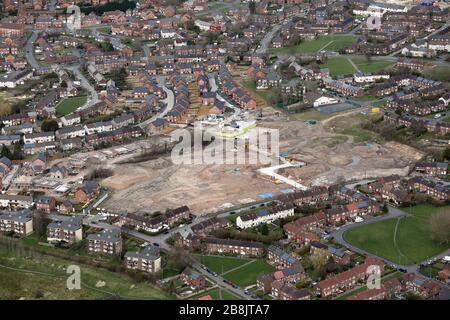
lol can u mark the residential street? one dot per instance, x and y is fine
(87, 133)
(265, 42)
(95, 221)
(393, 213)
(169, 103)
(93, 95)
(29, 53)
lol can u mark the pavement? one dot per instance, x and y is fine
(215, 278)
(93, 94)
(96, 221)
(393, 213)
(29, 52)
(265, 42)
(338, 233)
(272, 172)
(424, 38)
(169, 103)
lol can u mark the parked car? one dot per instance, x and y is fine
(359, 219)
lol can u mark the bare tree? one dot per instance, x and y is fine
(319, 261)
(440, 226)
(40, 223)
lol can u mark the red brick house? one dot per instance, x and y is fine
(66, 207)
(88, 191)
(444, 274)
(46, 204)
(193, 278)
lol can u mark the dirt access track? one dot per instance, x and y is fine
(331, 157)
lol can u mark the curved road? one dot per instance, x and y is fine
(93, 95)
(170, 102)
(160, 239)
(393, 213)
(264, 44)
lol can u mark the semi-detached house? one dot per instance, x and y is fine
(265, 216)
(39, 137)
(70, 132)
(231, 246)
(98, 127)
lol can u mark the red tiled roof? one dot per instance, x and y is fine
(367, 294)
(278, 275)
(344, 276)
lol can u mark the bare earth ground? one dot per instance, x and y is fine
(159, 184)
(330, 157)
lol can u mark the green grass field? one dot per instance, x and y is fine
(105, 29)
(446, 119)
(364, 98)
(338, 66)
(216, 263)
(77, 249)
(246, 275)
(341, 65)
(359, 135)
(69, 105)
(379, 104)
(430, 271)
(371, 65)
(309, 115)
(328, 43)
(51, 284)
(263, 94)
(217, 294)
(413, 238)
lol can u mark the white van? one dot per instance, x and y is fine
(359, 219)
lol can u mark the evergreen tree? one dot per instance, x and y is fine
(6, 152)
